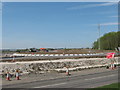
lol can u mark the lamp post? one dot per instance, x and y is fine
(99, 36)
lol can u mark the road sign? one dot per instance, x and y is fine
(110, 55)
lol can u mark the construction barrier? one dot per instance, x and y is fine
(15, 54)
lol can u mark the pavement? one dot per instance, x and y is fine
(88, 78)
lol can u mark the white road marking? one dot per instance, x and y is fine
(102, 77)
(50, 85)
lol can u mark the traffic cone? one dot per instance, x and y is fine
(8, 76)
(67, 72)
(17, 75)
(17, 78)
(112, 66)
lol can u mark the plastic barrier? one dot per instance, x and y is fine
(56, 54)
(51, 55)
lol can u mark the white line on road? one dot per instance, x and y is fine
(102, 77)
(50, 85)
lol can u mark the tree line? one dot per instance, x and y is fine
(108, 41)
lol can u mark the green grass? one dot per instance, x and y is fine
(114, 86)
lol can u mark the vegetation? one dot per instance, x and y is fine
(109, 41)
(114, 86)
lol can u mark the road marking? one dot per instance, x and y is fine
(101, 77)
(50, 85)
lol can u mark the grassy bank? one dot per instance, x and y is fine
(113, 86)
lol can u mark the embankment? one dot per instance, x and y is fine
(55, 65)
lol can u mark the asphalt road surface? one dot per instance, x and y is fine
(79, 81)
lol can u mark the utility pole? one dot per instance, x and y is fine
(99, 36)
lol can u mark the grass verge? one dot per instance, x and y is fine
(113, 86)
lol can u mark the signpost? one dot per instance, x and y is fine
(111, 56)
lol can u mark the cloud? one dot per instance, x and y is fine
(115, 16)
(92, 5)
(107, 24)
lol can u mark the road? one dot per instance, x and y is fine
(74, 81)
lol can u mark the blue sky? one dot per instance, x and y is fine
(56, 25)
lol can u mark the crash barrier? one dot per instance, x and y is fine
(49, 55)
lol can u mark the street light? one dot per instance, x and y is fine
(99, 36)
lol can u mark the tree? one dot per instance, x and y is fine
(108, 41)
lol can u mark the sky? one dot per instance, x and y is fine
(56, 24)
